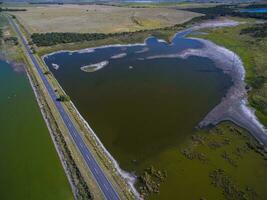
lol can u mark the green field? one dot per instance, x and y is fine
(30, 167)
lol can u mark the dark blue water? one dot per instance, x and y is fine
(255, 10)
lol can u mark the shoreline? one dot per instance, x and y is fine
(235, 100)
(234, 106)
(217, 23)
(91, 49)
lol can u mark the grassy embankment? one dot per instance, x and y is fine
(104, 162)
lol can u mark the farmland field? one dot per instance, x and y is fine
(99, 18)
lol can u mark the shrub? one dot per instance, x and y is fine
(63, 98)
(257, 82)
(260, 103)
(259, 30)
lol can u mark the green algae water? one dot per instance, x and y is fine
(142, 101)
(30, 167)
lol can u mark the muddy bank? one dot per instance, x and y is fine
(215, 23)
(234, 106)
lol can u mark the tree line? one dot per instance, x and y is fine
(12, 40)
(12, 9)
(48, 39)
(53, 38)
(252, 6)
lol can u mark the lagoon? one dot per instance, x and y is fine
(145, 101)
(30, 167)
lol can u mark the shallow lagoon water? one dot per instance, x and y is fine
(142, 108)
(30, 167)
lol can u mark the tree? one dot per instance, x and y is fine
(63, 98)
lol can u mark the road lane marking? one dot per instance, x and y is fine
(88, 157)
(106, 186)
(81, 144)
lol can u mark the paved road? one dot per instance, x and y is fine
(104, 184)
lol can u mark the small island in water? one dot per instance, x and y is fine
(94, 67)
